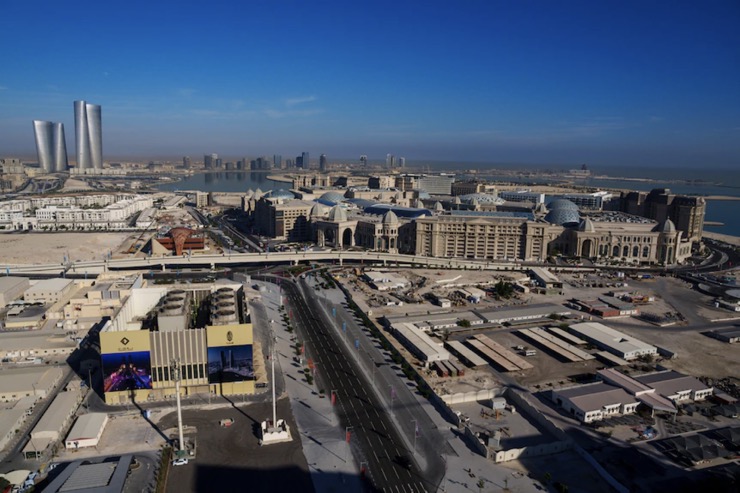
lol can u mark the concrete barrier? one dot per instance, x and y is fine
(533, 451)
(473, 396)
(475, 442)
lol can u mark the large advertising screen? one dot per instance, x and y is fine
(230, 364)
(126, 360)
(230, 353)
(127, 371)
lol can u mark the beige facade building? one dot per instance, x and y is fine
(283, 219)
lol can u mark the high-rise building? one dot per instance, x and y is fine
(277, 161)
(186, 162)
(210, 161)
(299, 162)
(390, 161)
(322, 163)
(88, 135)
(402, 162)
(51, 146)
(363, 160)
(305, 160)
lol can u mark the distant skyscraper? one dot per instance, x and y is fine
(299, 162)
(306, 161)
(89, 135)
(51, 146)
(390, 161)
(186, 162)
(277, 161)
(402, 162)
(322, 163)
(363, 160)
(209, 161)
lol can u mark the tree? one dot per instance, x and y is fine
(463, 323)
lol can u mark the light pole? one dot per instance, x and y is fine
(347, 438)
(175, 370)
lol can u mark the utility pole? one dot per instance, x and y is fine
(175, 370)
(272, 384)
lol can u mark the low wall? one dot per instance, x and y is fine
(533, 451)
(473, 396)
(602, 472)
(474, 442)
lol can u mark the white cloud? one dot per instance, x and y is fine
(290, 102)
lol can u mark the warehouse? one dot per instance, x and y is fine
(730, 335)
(17, 346)
(12, 288)
(36, 382)
(86, 431)
(48, 290)
(526, 314)
(545, 278)
(676, 386)
(420, 344)
(436, 321)
(52, 424)
(624, 346)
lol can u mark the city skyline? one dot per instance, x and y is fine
(604, 84)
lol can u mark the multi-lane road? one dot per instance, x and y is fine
(379, 450)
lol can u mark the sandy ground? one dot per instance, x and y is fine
(47, 248)
(75, 185)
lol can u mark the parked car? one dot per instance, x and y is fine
(179, 462)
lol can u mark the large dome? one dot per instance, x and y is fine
(666, 226)
(337, 214)
(562, 204)
(331, 198)
(390, 218)
(481, 198)
(280, 194)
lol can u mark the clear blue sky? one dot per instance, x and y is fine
(601, 82)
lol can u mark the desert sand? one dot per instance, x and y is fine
(48, 248)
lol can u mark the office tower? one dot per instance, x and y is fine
(305, 160)
(51, 146)
(210, 161)
(186, 162)
(322, 163)
(389, 161)
(299, 161)
(277, 161)
(402, 162)
(219, 163)
(89, 135)
(363, 160)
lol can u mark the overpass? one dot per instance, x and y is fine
(233, 259)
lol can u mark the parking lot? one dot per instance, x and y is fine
(230, 458)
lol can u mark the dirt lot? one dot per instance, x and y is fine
(47, 248)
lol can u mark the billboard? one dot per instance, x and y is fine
(126, 360)
(230, 353)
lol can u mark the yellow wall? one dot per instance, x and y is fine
(218, 335)
(127, 341)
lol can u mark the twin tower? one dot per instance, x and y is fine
(51, 145)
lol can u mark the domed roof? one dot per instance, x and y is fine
(390, 217)
(666, 226)
(587, 226)
(457, 201)
(331, 198)
(562, 204)
(337, 214)
(280, 194)
(257, 194)
(438, 207)
(481, 198)
(317, 210)
(418, 204)
(563, 217)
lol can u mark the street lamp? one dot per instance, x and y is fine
(416, 432)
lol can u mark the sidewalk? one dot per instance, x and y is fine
(328, 455)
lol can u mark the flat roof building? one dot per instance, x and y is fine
(48, 290)
(86, 431)
(37, 382)
(52, 424)
(527, 313)
(12, 288)
(676, 386)
(594, 402)
(419, 343)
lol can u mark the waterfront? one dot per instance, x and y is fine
(717, 184)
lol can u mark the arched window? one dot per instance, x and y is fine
(635, 251)
(625, 251)
(615, 251)
(645, 251)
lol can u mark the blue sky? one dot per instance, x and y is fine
(633, 83)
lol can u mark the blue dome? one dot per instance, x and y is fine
(482, 198)
(563, 217)
(331, 198)
(406, 212)
(280, 194)
(562, 204)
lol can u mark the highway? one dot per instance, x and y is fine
(379, 450)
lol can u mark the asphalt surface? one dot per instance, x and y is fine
(383, 457)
